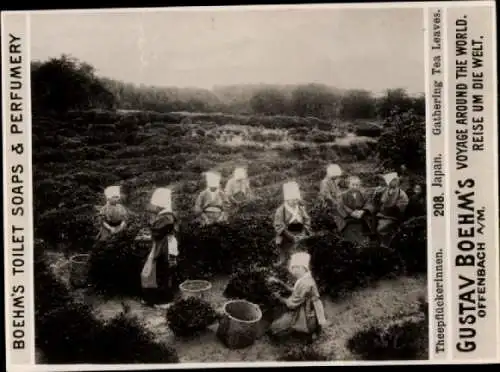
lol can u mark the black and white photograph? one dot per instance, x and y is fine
(229, 185)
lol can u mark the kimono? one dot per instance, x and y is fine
(416, 206)
(112, 215)
(237, 191)
(291, 225)
(405, 182)
(304, 311)
(211, 207)
(157, 273)
(389, 206)
(353, 229)
(329, 193)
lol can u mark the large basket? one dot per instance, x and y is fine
(240, 324)
(79, 267)
(195, 288)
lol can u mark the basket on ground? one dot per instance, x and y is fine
(79, 267)
(195, 288)
(239, 326)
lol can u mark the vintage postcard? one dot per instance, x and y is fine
(201, 187)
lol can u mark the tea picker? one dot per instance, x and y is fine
(157, 273)
(211, 204)
(113, 216)
(304, 313)
(291, 222)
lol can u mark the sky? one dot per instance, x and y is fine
(372, 49)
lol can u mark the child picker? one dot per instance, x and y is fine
(304, 314)
(157, 274)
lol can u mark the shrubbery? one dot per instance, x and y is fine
(75, 227)
(403, 141)
(116, 264)
(250, 283)
(410, 241)
(340, 266)
(221, 248)
(398, 341)
(189, 316)
(68, 333)
(301, 353)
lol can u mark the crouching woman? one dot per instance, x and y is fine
(157, 274)
(304, 313)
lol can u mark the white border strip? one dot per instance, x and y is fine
(29, 150)
(446, 116)
(496, 191)
(5, 134)
(428, 135)
(236, 8)
(424, 5)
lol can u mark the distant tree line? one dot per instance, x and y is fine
(65, 83)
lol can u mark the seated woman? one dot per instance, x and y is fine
(330, 190)
(291, 222)
(417, 205)
(237, 188)
(389, 205)
(157, 274)
(211, 204)
(113, 216)
(303, 311)
(355, 225)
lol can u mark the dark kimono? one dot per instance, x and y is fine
(290, 228)
(329, 193)
(389, 206)
(417, 206)
(211, 207)
(237, 191)
(353, 229)
(157, 273)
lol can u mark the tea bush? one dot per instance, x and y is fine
(68, 333)
(115, 265)
(340, 266)
(400, 341)
(301, 353)
(189, 316)
(410, 242)
(250, 283)
(123, 340)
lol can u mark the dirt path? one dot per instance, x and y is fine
(374, 305)
(363, 308)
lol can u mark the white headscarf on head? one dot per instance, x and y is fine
(240, 174)
(333, 170)
(162, 197)
(300, 259)
(291, 190)
(389, 177)
(112, 191)
(213, 179)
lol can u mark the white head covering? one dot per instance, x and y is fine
(389, 177)
(291, 191)
(112, 191)
(240, 173)
(213, 179)
(300, 259)
(162, 197)
(333, 170)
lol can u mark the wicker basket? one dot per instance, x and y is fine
(195, 288)
(79, 267)
(240, 324)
